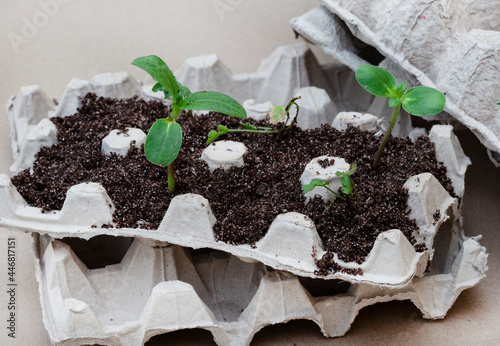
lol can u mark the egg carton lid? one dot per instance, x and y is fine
(440, 44)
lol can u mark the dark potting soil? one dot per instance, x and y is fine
(244, 200)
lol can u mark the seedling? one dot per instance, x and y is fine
(417, 101)
(164, 139)
(348, 186)
(278, 113)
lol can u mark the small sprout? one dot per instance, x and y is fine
(314, 183)
(417, 101)
(318, 182)
(348, 185)
(164, 139)
(278, 113)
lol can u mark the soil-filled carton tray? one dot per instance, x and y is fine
(291, 243)
(447, 46)
(215, 291)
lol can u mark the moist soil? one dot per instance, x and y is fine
(245, 200)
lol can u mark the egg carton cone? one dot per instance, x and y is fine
(123, 304)
(441, 44)
(189, 220)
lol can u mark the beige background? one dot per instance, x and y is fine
(83, 38)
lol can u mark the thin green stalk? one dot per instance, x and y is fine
(171, 178)
(254, 131)
(329, 205)
(354, 188)
(336, 194)
(386, 136)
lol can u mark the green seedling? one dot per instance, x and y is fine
(348, 186)
(417, 101)
(278, 113)
(164, 139)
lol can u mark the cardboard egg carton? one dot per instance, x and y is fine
(123, 304)
(189, 220)
(448, 47)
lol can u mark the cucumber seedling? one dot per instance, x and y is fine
(278, 113)
(419, 100)
(348, 186)
(164, 139)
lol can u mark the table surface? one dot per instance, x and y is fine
(51, 41)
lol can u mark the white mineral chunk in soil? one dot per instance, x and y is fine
(119, 142)
(314, 170)
(257, 111)
(224, 154)
(363, 121)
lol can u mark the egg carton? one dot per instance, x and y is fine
(123, 304)
(189, 220)
(440, 44)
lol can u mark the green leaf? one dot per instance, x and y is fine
(157, 87)
(394, 101)
(423, 100)
(163, 142)
(313, 184)
(401, 88)
(278, 113)
(184, 90)
(223, 129)
(376, 80)
(352, 169)
(214, 101)
(346, 184)
(160, 73)
(354, 166)
(213, 135)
